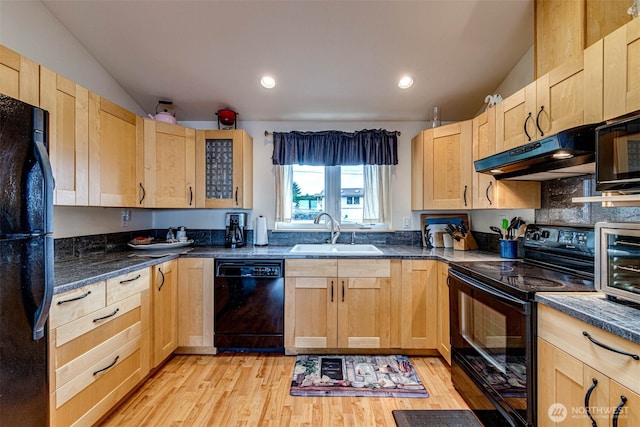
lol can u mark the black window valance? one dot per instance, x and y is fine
(334, 148)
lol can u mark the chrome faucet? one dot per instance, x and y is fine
(334, 224)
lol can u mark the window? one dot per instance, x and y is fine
(346, 174)
(338, 190)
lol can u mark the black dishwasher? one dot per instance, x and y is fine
(249, 305)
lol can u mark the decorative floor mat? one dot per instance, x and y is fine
(359, 376)
(435, 418)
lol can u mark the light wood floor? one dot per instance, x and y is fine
(246, 389)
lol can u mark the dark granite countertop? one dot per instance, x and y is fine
(70, 274)
(619, 318)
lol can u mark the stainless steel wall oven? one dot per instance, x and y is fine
(493, 319)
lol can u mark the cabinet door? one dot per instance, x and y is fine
(169, 165)
(560, 382)
(68, 107)
(621, 76)
(448, 154)
(115, 155)
(311, 305)
(417, 171)
(224, 169)
(195, 305)
(513, 116)
(484, 145)
(419, 304)
(165, 310)
(364, 303)
(629, 412)
(19, 77)
(444, 335)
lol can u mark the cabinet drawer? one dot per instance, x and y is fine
(78, 374)
(123, 286)
(311, 267)
(95, 320)
(102, 392)
(566, 333)
(364, 268)
(74, 304)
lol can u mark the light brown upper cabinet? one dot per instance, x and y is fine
(68, 107)
(169, 165)
(224, 169)
(446, 171)
(441, 168)
(19, 77)
(563, 29)
(115, 155)
(489, 193)
(515, 119)
(622, 71)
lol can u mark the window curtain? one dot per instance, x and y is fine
(335, 148)
(377, 197)
(284, 193)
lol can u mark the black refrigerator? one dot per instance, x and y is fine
(26, 263)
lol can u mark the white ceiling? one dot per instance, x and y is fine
(333, 60)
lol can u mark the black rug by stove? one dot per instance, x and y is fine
(436, 418)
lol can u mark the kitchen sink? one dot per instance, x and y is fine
(337, 250)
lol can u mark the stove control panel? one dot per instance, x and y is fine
(565, 238)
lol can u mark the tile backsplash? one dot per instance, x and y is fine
(557, 207)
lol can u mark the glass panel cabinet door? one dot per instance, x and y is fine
(224, 169)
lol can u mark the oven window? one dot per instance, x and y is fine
(623, 262)
(494, 342)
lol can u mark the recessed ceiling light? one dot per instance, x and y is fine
(405, 82)
(267, 82)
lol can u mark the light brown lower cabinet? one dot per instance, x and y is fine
(580, 383)
(419, 309)
(165, 310)
(195, 306)
(444, 330)
(99, 347)
(340, 304)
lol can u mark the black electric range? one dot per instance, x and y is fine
(494, 321)
(556, 259)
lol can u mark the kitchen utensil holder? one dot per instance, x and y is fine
(508, 249)
(466, 243)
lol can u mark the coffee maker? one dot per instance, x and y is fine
(235, 235)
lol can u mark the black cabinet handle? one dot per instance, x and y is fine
(144, 193)
(616, 413)
(332, 291)
(107, 367)
(615, 350)
(190, 195)
(122, 282)
(525, 126)
(586, 401)
(75, 299)
(236, 196)
(538, 121)
(486, 193)
(107, 316)
(464, 195)
(161, 283)
(343, 291)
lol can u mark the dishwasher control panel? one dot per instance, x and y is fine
(249, 268)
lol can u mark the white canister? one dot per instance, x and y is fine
(260, 233)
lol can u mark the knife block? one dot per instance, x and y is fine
(466, 243)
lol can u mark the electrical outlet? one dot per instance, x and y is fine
(125, 217)
(406, 222)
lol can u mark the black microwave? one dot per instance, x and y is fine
(618, 156)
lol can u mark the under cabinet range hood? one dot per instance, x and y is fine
(568, 153)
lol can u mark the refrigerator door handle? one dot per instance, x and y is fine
(49, 183)
(42, 313)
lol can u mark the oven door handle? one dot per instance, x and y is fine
(523, 306)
